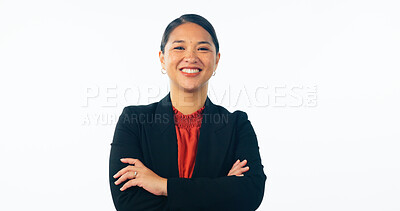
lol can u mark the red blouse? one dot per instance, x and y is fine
(187, 132)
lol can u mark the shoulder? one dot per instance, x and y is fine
(236, 117)
(140, 109)
(240, 122)
(237, 121)
(137, 114)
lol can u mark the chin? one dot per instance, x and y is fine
(191, 89)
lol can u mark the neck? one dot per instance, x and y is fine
(188, 102)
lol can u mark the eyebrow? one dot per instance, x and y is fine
(200, 42)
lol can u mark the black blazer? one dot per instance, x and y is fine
(148, 134)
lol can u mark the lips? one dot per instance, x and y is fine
(190, 71)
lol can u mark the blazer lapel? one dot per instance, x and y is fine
(163, 141)
(211, 148)
(212, 144)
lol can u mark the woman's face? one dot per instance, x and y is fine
(189, 57)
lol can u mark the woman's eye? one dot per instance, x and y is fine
(179, 48)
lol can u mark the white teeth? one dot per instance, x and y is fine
(190, 70)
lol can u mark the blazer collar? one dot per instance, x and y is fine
(164, 109)
(211, 115)
(212, 144)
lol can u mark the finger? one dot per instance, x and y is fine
(239, 165)
(124, 170)
(132, 161)
(239, 171)
(244, 169)
(127, 176)
(234, 166)
(241, 175)
(233, 171)
(128, 184)
(243, 163)
(235, 163)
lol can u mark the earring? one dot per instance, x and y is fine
(214, 73)
(163, 71)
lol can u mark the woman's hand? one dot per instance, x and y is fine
(144, 177)
(238, 169)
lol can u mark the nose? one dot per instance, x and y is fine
(191, 56)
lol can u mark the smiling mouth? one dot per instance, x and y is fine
(190, 70)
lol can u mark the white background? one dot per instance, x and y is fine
(339, 154)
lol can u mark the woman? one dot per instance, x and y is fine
(184, 152)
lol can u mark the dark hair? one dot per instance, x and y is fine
(192, 18)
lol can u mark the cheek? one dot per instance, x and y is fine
(172, 59)
(209, 61)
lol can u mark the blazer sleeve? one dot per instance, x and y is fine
(126, 145)
(228, 192)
